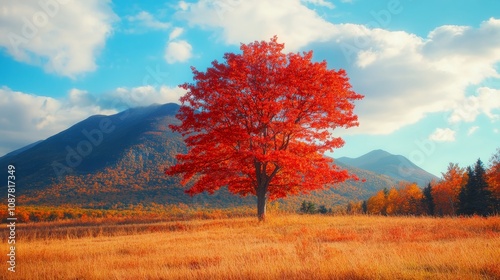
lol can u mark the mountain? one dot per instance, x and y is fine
(395, 166)
(369, 183)
(118, 160)
(108, 161)
(90, 145)
(18, 151)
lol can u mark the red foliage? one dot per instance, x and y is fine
(261, 122)
(493, 175)
(445, 193)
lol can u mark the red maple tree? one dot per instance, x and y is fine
(260, 123)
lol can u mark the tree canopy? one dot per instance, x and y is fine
(260, 122)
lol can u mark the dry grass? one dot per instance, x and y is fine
(285, 247)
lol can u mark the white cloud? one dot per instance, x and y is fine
(178, 51)
(183, 5)
(443, 135)
(144, 20)
(64, 37)
(487, 101)
(145, 95)
(175, 33)
(39, 117)
(246, 21)
(472, 130)
(321, 3)
(80, 98)
(404, 77)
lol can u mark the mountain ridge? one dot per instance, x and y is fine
(116, 160)
(395, 166)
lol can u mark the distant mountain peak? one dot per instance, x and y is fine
(379, 151)
(376, 154)
(108, 161)
(385, 163)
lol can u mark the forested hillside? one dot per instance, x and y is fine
(119, 160)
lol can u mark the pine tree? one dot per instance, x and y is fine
(427, 200)
(483, 202)
(475, 197)
(308, 207)
(464, 197)
(303, 207)
(311, 207)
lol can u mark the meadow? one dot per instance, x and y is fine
(286, 246)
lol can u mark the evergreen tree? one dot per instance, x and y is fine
(303, 207)
(483, 202)
(428, 201)
(311, 207)
(464, 197)
(364, 207)
(475, 196)
(308, 207)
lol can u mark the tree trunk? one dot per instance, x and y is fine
(261, 203)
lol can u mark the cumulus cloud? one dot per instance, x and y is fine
(146, 21)
(49, 33)
(77, 97)
(443, 135)
(486, 101)
(144, 95)
(238, 21)
(178, 51)
(404, 77)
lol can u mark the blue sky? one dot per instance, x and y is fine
(429, 70)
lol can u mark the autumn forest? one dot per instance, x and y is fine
(461, 191)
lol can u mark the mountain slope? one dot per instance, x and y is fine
(369, 183)
(90, 145)
(109, 161)
(18, 151)
(114, 161)
(395, 166)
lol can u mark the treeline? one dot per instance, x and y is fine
(309, 207)
(474, 190)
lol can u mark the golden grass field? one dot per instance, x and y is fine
(287, 246)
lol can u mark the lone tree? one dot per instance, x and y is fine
(260, 123)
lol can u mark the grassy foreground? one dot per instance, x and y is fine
(285, 247)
